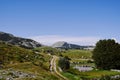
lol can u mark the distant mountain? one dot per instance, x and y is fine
(65, 45)
(22, 42)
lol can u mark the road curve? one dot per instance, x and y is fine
(53, 67)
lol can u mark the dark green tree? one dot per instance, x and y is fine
(64, 63)
(106, 54)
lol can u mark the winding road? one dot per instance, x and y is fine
(53, 68)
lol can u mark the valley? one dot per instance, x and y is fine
(49, 63)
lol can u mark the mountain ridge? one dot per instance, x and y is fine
(66, 45)
(22, 42)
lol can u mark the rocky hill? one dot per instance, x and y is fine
(65, 45)
(22, 42)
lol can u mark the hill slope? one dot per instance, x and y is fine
(23, 64)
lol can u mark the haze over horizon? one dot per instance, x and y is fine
(81, 22)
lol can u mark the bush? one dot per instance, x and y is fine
(64, 63)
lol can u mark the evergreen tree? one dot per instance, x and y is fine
(106, 54)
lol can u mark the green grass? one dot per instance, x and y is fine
(89, 74)
(71, 76)
(98, 73)
(47, 50)
(28, 67)
(27, 61)
(76, 54)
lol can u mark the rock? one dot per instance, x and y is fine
(22, 42)
(11, 74)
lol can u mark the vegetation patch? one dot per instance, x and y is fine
(77, 54)
(71, 76)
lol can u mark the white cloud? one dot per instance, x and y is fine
(50, 39)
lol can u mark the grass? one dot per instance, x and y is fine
(89, 75)
(77, 54)
(80, 57)
(97, 74)
(27, 61)
(47, 50)
(71, 76)
(42, 71)
(28, 67)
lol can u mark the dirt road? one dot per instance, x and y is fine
(53, 67)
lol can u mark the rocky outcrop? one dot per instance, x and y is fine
(11, 74)
(22, 42)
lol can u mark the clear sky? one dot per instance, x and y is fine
(48, 21)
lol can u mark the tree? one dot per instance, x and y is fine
(106, 54)
(64, 63)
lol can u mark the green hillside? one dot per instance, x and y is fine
(14, 58)
(48, 50)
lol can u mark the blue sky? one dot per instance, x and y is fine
(48, 21)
